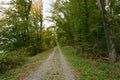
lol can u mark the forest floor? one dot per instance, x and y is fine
(63, 64)
(31, 64)
(91, 69)
(54, 68)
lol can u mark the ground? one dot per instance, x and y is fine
(54, 68)
(55, 64)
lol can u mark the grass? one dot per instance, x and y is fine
(20, 72)
(85, 70)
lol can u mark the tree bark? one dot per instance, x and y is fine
(112, 53)
(108, 33)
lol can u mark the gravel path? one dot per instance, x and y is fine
(54, 68)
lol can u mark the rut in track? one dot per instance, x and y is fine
(54, 68)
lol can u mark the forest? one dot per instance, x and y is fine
(91, 28)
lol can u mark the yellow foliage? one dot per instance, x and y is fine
(37, 7)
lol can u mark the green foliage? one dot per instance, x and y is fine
(23, 27)
(79, 24)
(86, 70)
(34, 49)
(9, 75)
(31, 64)
(76, 24)
(15, 29)
(8, 61)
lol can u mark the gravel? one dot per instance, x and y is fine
(54, 68)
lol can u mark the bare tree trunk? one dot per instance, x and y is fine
(109, 34)
(112, 53)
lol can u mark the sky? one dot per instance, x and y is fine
(46, 9)
(2, 6)
(5, 0)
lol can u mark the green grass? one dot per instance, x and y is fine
(25, 69)
(9, 75)
(85, 70)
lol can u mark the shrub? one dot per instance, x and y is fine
(34, 49)
(8, 62)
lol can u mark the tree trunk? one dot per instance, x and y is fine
(108, 33)
(112, 53)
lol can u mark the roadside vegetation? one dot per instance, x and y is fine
(23, 37)
(90, 69)
(90, 27)
(14, 67)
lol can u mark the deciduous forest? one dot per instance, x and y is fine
(86, 32)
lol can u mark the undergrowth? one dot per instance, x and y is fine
(16, 65)
(85, 70)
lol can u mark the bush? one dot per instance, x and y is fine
(34, 49)
(8, 62)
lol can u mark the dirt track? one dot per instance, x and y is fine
(54, 68)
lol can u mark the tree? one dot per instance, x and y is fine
(17, 24)
(108, 32)
(36, 19)
(73, 18)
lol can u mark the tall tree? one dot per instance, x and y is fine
(17, 21)
(108, 31)
(36, 19)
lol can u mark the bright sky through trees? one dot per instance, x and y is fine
(46, 9)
